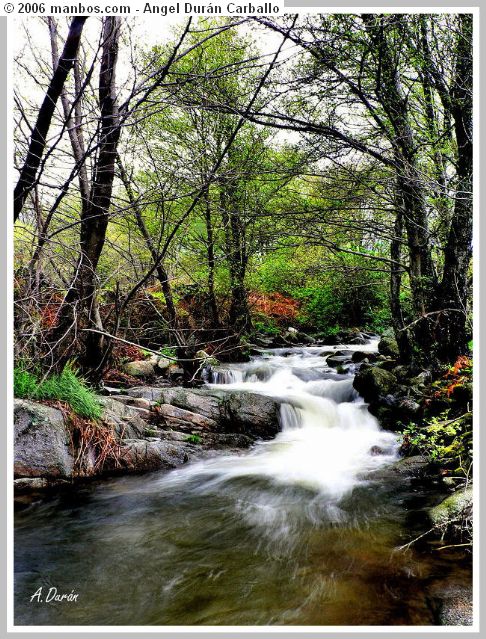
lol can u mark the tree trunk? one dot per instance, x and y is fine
(211, 261)
(239, 314)
(37, 144)
(74, 128)
(458, 251)
(80, 309)
(423, 280)
(95, 222)
(437, 134)
(398, 323)
(162, 274)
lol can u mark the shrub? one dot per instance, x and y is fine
(280, 308)
(169, 352)
(66, 387)
(265, 325)
(344, 301)
(443, 440)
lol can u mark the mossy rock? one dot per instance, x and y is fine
(372, 383)
(141, 368)
(388, 346)
(387, 365)
(402, 372)
(163, 363)
(453, 508)
(421, 380)
(41, 442)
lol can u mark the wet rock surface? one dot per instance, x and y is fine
(250, 414)
(41, 442)
(229, 411)
(125, 420)
(388, 346)
(184, 420)
(415, 467)
(151, 454)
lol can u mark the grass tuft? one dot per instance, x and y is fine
(25, 384)
(66, 387)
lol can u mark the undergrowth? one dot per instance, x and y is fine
(446, 438)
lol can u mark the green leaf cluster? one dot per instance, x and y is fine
(443, 440)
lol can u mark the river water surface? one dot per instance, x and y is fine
(288, 533)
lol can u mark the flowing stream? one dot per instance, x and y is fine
(290, 532)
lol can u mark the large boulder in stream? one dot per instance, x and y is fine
(198, 400)
(388, 346)
(215, 414)
(184, 420)
(123, 419)
(372, 383)
(404, 469)
(337, 359)
(41, 445)
(141, 455)
(250, 413)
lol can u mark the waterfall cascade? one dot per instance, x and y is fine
(328, 438)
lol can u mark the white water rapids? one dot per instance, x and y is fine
(328, 439)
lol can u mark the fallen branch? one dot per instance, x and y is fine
(406, 546)
(454, 546)
(427, 315)
(149, 350)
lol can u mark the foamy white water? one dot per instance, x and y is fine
(327, 440)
